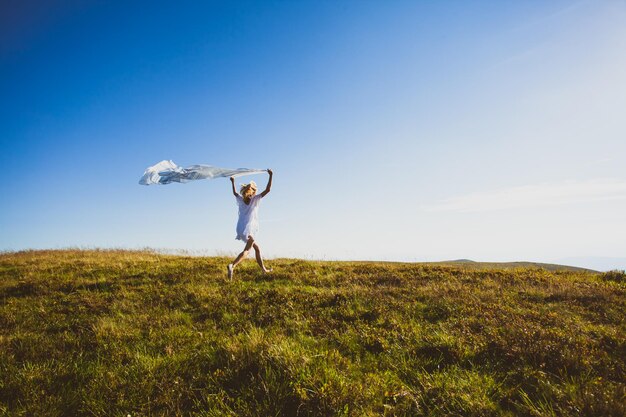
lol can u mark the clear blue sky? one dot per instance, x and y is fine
(409, 131)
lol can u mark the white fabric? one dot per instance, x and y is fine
(166, 172)
(248, 223)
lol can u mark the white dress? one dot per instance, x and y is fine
(248, 223)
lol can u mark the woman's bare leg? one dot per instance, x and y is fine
(259, 259)
(240, 257)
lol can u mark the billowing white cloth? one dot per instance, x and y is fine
(166, 172)
(248, 223)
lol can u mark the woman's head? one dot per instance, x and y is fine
(248, 190)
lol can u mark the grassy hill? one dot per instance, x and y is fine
(108, 333)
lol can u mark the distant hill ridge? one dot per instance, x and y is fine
(510, 265)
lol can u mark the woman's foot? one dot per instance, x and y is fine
(229, 268)
(267, 270)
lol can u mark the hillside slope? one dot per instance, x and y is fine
(137, 333)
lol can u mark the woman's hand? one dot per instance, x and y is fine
(269, 171)
(232, 179)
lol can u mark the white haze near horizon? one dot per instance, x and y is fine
(536, 195)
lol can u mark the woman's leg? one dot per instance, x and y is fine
(259, 259)
(240, 257)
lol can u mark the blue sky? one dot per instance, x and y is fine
(411, 131)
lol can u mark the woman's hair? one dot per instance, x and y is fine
(248, 190)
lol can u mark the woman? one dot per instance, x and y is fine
(248, 223)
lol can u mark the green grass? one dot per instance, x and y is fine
(117, 333)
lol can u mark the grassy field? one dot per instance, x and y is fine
(116, 333)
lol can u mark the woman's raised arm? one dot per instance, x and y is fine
(269, 184)
(232, 182)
